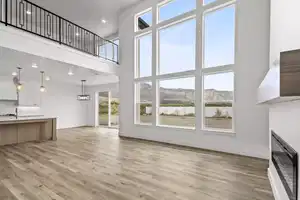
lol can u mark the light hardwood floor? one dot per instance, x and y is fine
(88, 163)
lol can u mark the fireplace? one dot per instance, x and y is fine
(285, 160)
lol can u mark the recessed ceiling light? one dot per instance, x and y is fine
(34, 65)
(47, 78)
(14, 74)
(70, 73)
(28, 12)
(103, 21)
(77, 34)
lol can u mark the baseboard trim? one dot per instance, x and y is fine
(274, 189)
(179, 146)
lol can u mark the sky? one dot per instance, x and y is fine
(177, 45)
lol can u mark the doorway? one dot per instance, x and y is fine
(109, 105)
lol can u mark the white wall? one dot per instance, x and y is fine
(284, 117)
(285, 29)
(59, 101)
(284, 121)
(26, 42)
(252, 62)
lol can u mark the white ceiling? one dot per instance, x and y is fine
(58, 71)
(89, 13)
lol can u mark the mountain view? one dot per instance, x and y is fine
(185, 95)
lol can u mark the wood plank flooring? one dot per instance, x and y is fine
(89, 163)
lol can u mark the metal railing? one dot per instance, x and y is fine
(34, 19)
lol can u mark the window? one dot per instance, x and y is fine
(144, 56)
(116, 49)
(177, 47)
(219, 28)
(143, 107)
(172, 65)
(143, 20)
(177, 102)
(218, 99)
(170, 9)
(107, 51)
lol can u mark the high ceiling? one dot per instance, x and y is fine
(89, 13)
(57, 71)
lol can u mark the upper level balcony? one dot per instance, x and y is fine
(26, 16)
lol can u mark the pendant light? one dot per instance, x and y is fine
(42, 88)
(19, 85)
(83, 96)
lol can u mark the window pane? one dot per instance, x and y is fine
(106, 50)
(175, 8)
(144, 56)
(218, 98)
(219, 37)
(143, 103)
(103, 108)
(177, 102)
(207, 1)
(177, 47)
(116, 49)
(144, 20)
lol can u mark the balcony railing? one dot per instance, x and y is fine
(34, 19)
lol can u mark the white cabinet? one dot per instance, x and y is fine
(29, 95)
(8, 91)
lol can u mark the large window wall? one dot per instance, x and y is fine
(184, 65)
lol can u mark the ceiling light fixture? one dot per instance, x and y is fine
(103, 21)
(34, 65)
(14, 73)
(19, 85)
(77, 34)
(42, 88)
(83, 96)
(70, 73)
(28, 12)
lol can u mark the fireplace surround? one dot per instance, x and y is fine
(285, 160)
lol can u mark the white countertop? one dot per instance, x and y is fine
(22, 118)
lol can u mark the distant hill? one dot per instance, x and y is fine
(181, 95)
(185, 95)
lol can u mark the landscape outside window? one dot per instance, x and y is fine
(177, 102)
(176, 56)
(104, 108)
(143, 102)
(218, 99)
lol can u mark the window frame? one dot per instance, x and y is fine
(137, 95)
(137, 55)
(158, 102)
(166, 2)
(224, 71)
(136, 18)
(198, 73)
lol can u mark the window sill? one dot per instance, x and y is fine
(143, 124)
(166, 126)
(177, 127)
(223, 132)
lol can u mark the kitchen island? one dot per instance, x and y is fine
(26, 129)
